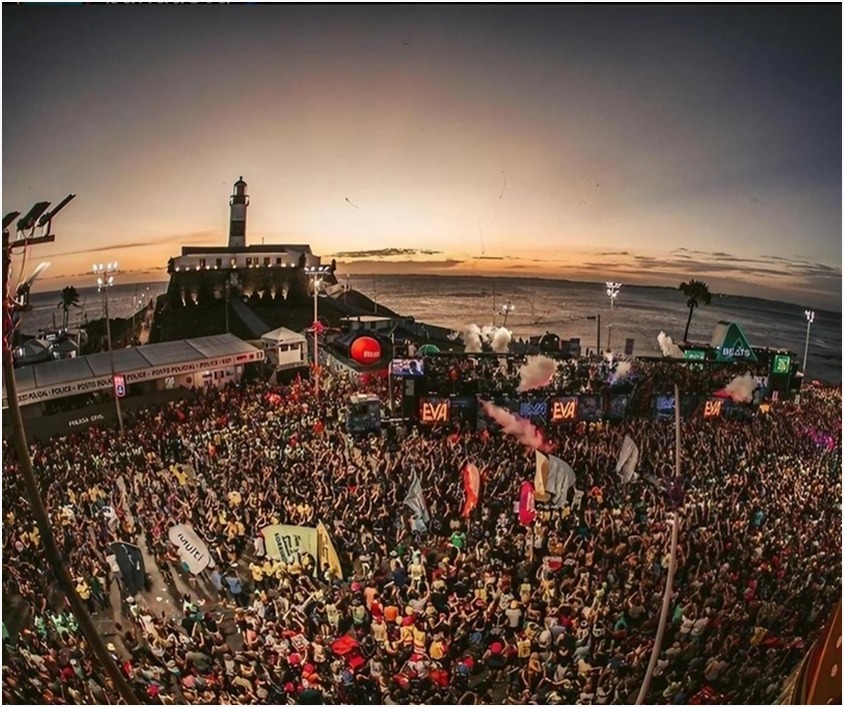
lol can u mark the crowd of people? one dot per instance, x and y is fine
(472, 609)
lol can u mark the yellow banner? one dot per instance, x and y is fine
(287, 542)
(327, 553)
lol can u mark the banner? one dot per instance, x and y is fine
(415, 500)
(628, 458)
(287, 542)
(527, 508)
(540, 478)
(561, 478)
(472, 487)
(192, 550)
(327, 553)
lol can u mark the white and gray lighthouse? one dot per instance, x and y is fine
(237, 222)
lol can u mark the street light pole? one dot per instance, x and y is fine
(505, 310)
(105, 279)
(316, 273)
(810, 317)
(612, 292)
(672, 562)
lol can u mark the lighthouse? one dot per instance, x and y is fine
(237, 222)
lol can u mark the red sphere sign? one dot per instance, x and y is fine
(365, 350)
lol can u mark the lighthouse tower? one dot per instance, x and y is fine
(237, 222)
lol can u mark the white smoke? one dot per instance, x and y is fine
(668, 347)
(741, 388)
(622, 370)
(514, 425)
(472, 339)
(537, 372)
(488, 333)
(501, 340)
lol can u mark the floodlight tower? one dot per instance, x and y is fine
(105, 279)
(316, 273)
(505, 310)
(810, 317)
(612, 292)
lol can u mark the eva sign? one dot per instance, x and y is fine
(365, 350)
(120, 386)
(192, 551)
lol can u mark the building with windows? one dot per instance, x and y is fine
(204, 273)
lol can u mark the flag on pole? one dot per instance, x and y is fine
(415, 500)
(527, 507)
(561, 478)
(540, 478)
(628, 458)
(327, 553)
(472, 487)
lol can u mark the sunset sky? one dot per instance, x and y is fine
(644, 144)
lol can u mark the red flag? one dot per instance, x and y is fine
(527, 508)
(472, 487)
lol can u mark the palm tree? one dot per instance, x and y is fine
(69, 298)
(697, 293)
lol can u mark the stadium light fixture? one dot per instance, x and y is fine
(612, 292)
(810, 318)
(317, 273)
(105, 280)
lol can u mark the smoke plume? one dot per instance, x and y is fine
(622, 370)
(501, 340)
(668, 347)
(537, 372)
(514, 425)
(741, 388)
(472, 339)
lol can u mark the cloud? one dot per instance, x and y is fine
(385, 253)
(400, 267)
(205, 237)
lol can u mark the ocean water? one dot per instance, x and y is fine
(123, 301)
(539, 306)
(639, 313)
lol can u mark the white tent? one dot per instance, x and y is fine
(285, 348)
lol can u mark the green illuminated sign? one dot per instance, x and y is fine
(782, 364)
(695, 354)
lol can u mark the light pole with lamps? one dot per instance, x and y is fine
(810, 317)
(316, 273)
(612, 292)
(105, 279)
(505, 310)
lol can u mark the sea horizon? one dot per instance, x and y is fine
(515, 277)
(567, 308)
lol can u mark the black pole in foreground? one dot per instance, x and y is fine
(48, 540)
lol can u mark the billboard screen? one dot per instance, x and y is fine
(563, 409)
(713, 407)
(407, 367)
(534, 409)
(590, 408)
(433, 411)
(618, 407)
(663, 407)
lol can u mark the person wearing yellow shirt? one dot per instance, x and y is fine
(269, 569)
(257, 574)
(279, 569)
(84, 592)
(438, 647)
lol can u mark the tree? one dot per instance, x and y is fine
(697, 293)
(69, 298)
